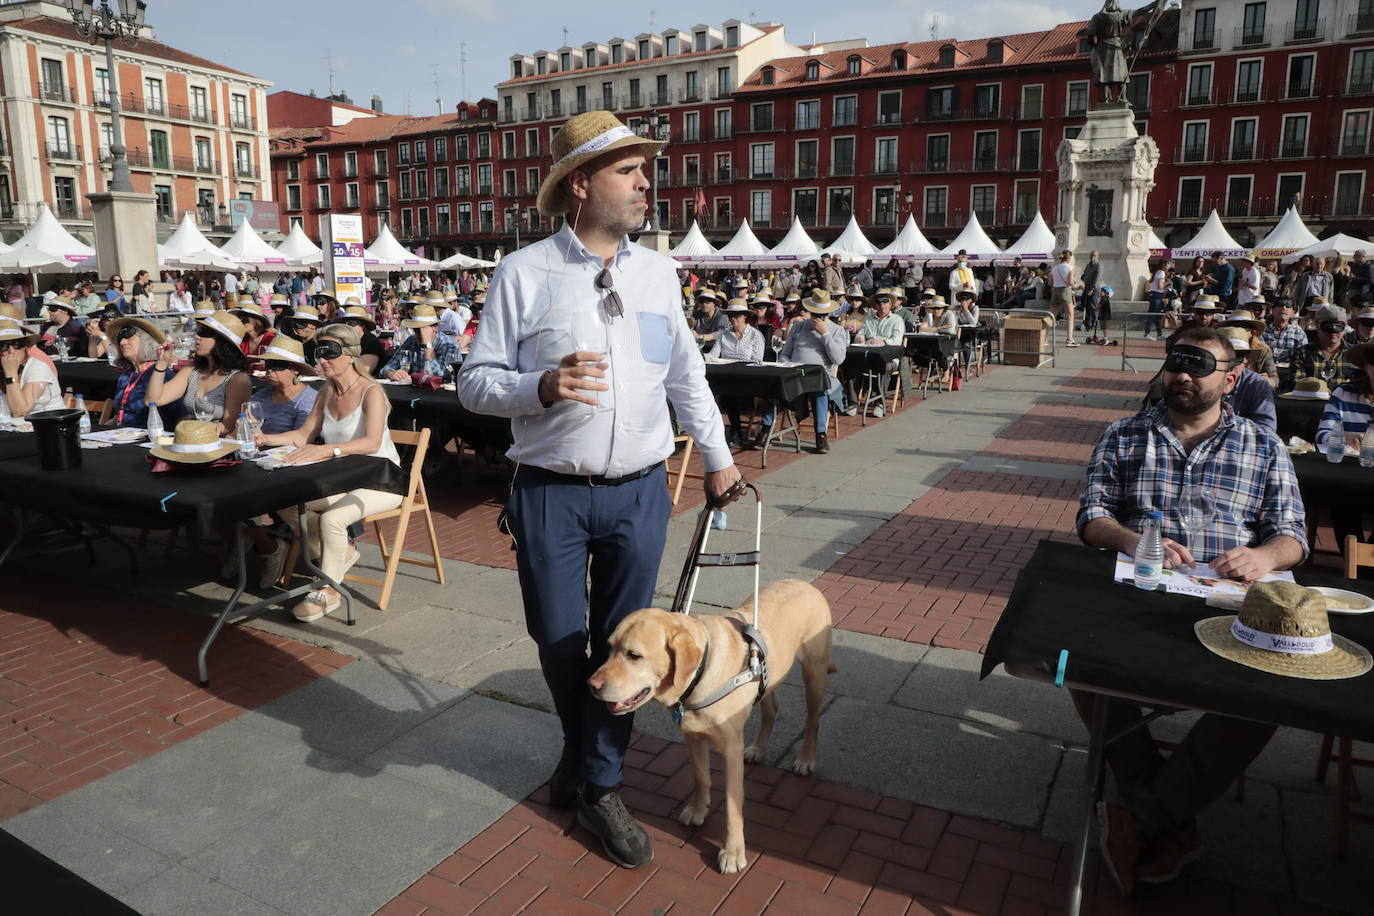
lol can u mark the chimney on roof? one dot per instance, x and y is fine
(312, 93)
(377, 104)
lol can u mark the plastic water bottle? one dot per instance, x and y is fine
(244, 433)
(1367, 447)
(1335, 441)
(1149, 554)
(155, 429)
(84, 424)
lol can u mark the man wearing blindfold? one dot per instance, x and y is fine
(1190, 442)
(1325, 358)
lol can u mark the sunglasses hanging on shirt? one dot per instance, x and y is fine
(611, 299)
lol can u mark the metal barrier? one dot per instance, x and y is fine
(1125, 321)
(1029, 341)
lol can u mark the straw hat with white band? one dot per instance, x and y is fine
(195, 442)
(247, 307)
(10, 310)
(737, 307)
(820, 303)
(1239, 338)
(204, 307)
(436, 299)
(286, 350)
(143, 324)
(1245, 318)
(225, 325)
(357, 313)
(421, 316)
(278, 299)
(581, 140)
(12, 331)
(306, 313)
(1308, 389)
(895, 293)
(1282, 628)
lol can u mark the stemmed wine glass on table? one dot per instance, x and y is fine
(1196, 509)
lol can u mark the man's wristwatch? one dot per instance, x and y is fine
(338, 452)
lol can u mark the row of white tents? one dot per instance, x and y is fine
(47, 247)
(1289, 240)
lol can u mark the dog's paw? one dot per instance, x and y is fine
(731, 860)
(753, 754)
(804, 767)
(692, 816)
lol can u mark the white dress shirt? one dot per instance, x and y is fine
(537, 297)
(454, 320)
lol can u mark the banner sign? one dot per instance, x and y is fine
(262, 215)
(341, 238)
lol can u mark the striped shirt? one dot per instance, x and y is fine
(748, 347)
(1139, 465)
(1349, 408)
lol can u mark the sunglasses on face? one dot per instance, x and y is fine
(205, 332)
(126, 333)
(328, 349)
(1193, 361)
(12, 345)
(1333, 327)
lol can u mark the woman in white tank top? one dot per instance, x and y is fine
(350, 418)
(1061, 295)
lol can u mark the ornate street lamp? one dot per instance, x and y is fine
(106, 24)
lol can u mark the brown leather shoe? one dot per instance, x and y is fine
(1120, 844)
(1167, 855)
(822, 444)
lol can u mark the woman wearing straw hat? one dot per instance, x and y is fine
(136, 342)
(285, 403)
(583, 345)
(356, 317)
(27, 384)
(303, 325)
(257, 332)
(349, 415)
(819, 342)
(744, 344)
(215, 384)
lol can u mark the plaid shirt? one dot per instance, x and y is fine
(1338, 370)
(410, 357)
(1286, 342)
(1139, 464)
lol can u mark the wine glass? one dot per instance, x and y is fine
(205, 411)
(1196, 509)
(588, 334)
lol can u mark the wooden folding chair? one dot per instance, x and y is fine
(1357, 554)
(415, 500)
(687, 443)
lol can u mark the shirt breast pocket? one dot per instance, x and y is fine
(655, 340)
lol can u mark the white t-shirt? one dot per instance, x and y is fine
(38, 372)
(231, 283)
(1249, 286)
(1159, 283)
(1060, 274)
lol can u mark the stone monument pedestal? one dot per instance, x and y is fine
(125, 233)
(655, 240)
(1105, 175)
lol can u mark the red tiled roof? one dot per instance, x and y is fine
(322, 100)
(1051, 46)
(61, 28)
(766, 30)
(376, 130)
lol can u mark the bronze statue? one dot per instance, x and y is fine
(1111, 33)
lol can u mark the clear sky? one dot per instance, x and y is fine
(391, 47)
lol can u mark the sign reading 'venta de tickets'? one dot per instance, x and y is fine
(342, 238)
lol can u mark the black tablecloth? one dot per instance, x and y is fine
(443, 407)
(1324, 483)
(17, 445)
(924, 347)
(861, 358)
(1124, 640)
(1298, 417)
(94, 380)
(116, 486)
(784, 383)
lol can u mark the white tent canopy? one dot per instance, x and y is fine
(743, 246)
(1291, 234)
(693, 245)
(1036, 243)
(298, 247)
(460, 261)
(385, 255)
(1155, 244)
(1212, 237)
(852, 245)
(48, 248)
(246, 249)
(909, 243)
(1341, 245)
(974, 241)
(796, 243)
(189, 249)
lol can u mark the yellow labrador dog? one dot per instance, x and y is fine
(659, 655)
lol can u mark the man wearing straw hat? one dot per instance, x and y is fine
(1146, 462)
(583, 346)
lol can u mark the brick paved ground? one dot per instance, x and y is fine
(815, 847)
(102, 680)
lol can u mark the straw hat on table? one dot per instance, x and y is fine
(195, 442)
(1308, 389)
(1282, 628)
(582, 139)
